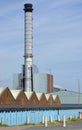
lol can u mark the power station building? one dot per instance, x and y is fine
(17, 81)
(42, 82)
(29, 80)
(18, 107)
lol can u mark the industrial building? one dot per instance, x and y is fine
(17, 81)
(17, 107)
(29, 79)
(33, 96)
(42, 82)
(21, 98)
(69, 97)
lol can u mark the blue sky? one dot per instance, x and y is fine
(57, 42)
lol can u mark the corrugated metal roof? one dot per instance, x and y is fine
(69, 97)
(58, 86)
(15, 93)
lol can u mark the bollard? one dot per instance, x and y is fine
(58, 118)
(27, 120)
(51, 119)
(80, 115)
(46, 124)
(43, 119)
(64, 121)
(2, 121)
(70, 117)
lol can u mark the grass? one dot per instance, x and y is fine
(73, 119)
(55, 122)
(3, 125)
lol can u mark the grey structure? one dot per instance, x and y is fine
(40, 82)
(17, 81)
(69, 97)
(43, 82)
(28, 56)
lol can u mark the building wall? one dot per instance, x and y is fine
(40, 83)
(43, 82)
(20, 117)
(17, 78)
(69, 97)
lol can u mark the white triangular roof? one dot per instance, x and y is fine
(39, 95)
(54, 97)
(15, 93)
(47, 96)
(28, 94)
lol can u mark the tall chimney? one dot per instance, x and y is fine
(28, 45)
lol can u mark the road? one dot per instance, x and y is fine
(69, 126)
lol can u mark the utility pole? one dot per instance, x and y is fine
(78, 92)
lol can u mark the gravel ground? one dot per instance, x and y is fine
(14, 128)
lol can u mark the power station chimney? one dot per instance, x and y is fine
(28, 45)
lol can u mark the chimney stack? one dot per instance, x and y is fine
(28, 46)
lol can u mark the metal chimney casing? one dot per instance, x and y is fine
(28, 46)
